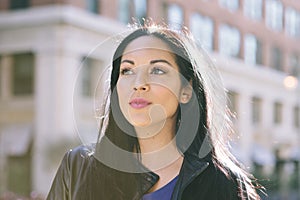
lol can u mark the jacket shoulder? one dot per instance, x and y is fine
(80, 152)
(232, 184)
(72, 168)
(213, 183)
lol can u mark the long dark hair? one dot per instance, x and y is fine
(188, 75)
(191, 116)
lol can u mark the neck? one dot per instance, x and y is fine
(156, 136)
(159, 149)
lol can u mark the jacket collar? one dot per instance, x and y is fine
(192, 166)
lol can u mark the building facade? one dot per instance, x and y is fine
(49, 69)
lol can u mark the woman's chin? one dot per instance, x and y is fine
(140, 124)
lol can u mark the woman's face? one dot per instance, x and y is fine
(149, 83)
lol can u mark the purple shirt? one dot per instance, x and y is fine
(164, 193)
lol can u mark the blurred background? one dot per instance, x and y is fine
(47, 91)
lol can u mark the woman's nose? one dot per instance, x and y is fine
(142, 87)
(141, 80)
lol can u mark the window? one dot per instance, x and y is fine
(274, 14)
(23, 74)
(292, 22)
(233, 102)
(129, 9)
(18, 4)
(294, 64)
(297, 116)
(252, 50)
(229, 41)
(276, 59)
(203, 30)
(256, 110)
(253, 9)
(125, 10)
(91, 72)
(277, 113)
(19, 173)
(175, 16)
(87, 72)
(140, 7)
(1, 79)
(93, 6)
(230, 4)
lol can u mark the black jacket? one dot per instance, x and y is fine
(79, 178)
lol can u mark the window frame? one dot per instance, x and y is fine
(274, 11)
(277, 112)
(15, 91)
(15, 4)
(175, 22)
(296, 116)
(229, 5)
(251, 7)
(227, 31)
(202, 30)
(276, 58)
(257, 54)
(292, 22)
(93, 6)
(256, 110)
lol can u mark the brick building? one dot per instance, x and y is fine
(43, 43)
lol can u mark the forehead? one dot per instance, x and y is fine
(149, 43)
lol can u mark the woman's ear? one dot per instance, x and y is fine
(186, 94)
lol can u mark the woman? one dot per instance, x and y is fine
(164, 137)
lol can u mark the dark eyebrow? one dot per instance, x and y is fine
(151, 62)
(157, 61)
(128, 61)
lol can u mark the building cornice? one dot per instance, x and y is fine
(261, 73)
(59, 14)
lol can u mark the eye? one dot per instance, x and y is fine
(126, 71)
(158, 70)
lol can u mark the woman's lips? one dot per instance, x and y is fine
(138, 103)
